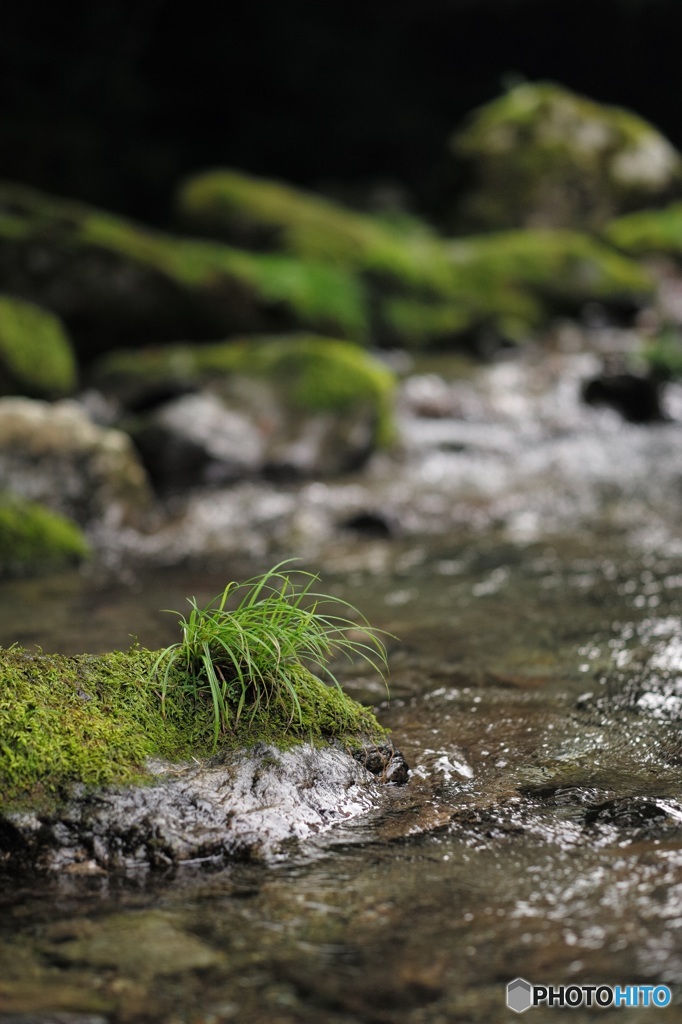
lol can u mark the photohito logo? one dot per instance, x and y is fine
(521, 995)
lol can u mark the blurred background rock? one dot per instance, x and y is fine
(227, 235)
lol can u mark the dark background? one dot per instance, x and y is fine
(113, 102)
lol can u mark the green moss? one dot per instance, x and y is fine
(35, 352)
(312, 374)
(663, 354)
(97, 719)
(648, 232)
(261, 211)
(318, 295)
(337, 272)
(541, 155)
(438, 290)
(514, 281)
(308, 373)
(565, 267)
(13, 227)
(329, 297)
(502, 308)
(33, 539)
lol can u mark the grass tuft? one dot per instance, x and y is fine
(251, 658)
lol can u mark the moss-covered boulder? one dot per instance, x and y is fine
(513, 283)
(563, 269)
(648, 232)
(113, 281)
(425, 290)
(317, 406)
(98, 720)
(541, 156)
(35, 540)
(264, 214)
(327, 269)
(36, 357)
(655, 236)
(404, 267)
(53, 453)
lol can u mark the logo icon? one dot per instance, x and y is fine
(519, 997)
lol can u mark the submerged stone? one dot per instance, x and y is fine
(146, 944)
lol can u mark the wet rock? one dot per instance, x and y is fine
(385, 761)
(649, 232)
(196, 440)
(370, 524)
(242, 805)
(146, 944)
(54, 454)
(626, 812)
(541, 156)
(428, 395)
(636, 397)
(290, 406)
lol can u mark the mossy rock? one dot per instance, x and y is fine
(97, 719)
(35, 540)
(266, 214)
(648, 232)
(485, 306)
(36, 357)
(663, 354)
(329, 392)
(561, 268)
(404, 267)
(542, 156)
(111, 279)
(426, 291)
(52, 452)
(313, 375)
(336, 272)
(512, 283)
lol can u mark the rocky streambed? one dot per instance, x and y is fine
(526, 553)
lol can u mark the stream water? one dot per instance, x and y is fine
(536, 692)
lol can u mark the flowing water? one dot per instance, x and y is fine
(536, 691)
